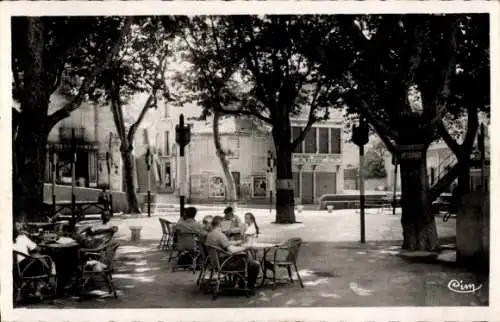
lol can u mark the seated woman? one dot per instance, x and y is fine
(26, 247)
(251, 227)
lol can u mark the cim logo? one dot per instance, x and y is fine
(459, 286)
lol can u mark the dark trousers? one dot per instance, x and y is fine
(253, 269)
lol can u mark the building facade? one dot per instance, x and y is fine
(316, 162)
(91, 129)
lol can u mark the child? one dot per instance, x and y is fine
(251, 227)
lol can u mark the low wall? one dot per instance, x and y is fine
(473, 231)
(89, 194)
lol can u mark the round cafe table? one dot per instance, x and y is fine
(65, 257)
(264, 248)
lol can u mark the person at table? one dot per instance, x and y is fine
(251, 227)
(103, 228)
(26, 247)
(189, 225)
(216, 238)
(232, 224)
(207, 222)
(92, 236)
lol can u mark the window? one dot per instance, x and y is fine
(335, 141)
(295, 134)
(323, 140)
(310, 141)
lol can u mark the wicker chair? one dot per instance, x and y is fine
(167, 238)
(92, 258)
(186, 245)
(23, 281)
(285, 256)
(225, 276)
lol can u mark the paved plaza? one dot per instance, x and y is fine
(337, 270)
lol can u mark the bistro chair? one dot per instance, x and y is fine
(187, 247)
(284, 256)
(98, 263)
(219, 264)
(204, 266)
(167, 238)
(24, 282)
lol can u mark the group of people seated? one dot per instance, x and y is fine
(216, 231)
(87, 236)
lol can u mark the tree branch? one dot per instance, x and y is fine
(69, 107)
(311, 119)
(441, 100)
(116, 110)
(133, 128)
(448, 139)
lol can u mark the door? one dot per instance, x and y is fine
(236, 177)
(307, 188)
(326, 183)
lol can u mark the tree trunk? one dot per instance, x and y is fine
(228, 176)
(29, 148)
(130, 186)
(30, 151)
(419, 226)
(285, 204)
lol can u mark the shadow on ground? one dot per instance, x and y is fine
(334, 275)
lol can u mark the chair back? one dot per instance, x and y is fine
(186, 240)
(293, 245)
(214, 256)
(111, 252)
(16, 270)
(163, 225)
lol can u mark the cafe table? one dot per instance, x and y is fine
(65, 257)
(254, 247)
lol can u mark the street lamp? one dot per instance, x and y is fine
(360, 138)
(148, 165)
(182, 137)
(271, 160)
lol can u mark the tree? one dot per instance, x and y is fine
(45, 55)
(375, 161)
(259, 70)
(406, 73)
(138, 68)
(206, 80)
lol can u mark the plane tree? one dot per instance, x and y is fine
(408, 76)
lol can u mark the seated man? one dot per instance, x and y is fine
(207, 222)
(93, 235)
(26, 247)
(216, 238)
(189, 225)
(232, 224)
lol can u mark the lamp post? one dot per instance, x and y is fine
(182, 137)
(148, 166)
(360, 138)
(270, 169)
(395, 183)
